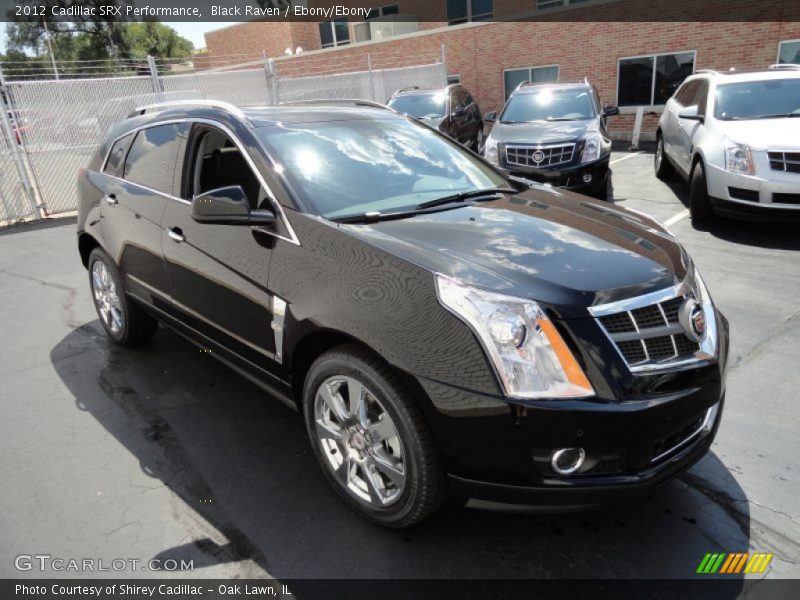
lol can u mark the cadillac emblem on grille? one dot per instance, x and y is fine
(538, 156)
(693, 319)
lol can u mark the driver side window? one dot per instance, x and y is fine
(216, 162)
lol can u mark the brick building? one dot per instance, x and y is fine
(634, 51)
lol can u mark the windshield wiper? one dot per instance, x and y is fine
(461, 196)
(551, 119)
(777, 116)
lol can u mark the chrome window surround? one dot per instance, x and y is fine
(705, 427)
(567, 150)
(225, 129)
(708, 345)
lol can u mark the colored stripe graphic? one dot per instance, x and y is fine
(734, 562)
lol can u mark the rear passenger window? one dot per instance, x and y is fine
(116, 158)
(151, 159)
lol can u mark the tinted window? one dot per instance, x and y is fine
(652, 80)
(421, 106)
(686, 93)
(671, 70)
(513, 77)
(151, 159)
(635, 81)
(549, 104)
(789, 52)
(116, 158)
(343, 168)
(758, 99)
(700, 97)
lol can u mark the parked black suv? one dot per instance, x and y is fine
(442, 327)
(452, 110)
(554, 133)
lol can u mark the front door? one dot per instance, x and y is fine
(218, 273)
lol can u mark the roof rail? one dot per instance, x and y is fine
(226, 106)
(709, 71)
(522, 84)
(785, 66)
(354, 101)
(407, 89)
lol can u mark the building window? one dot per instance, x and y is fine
(789, 52)
(383, 11)
(545, 4)
(334, 33)
(513, 77)
(466, 11)
(651, 80)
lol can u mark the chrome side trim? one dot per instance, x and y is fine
(706, 426)
(278, 318)
(275, 204)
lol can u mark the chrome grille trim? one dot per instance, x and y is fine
(686, 352)
(705, 427)
(552, 154)
(784, 161)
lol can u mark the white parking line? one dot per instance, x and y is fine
(675, 218)
(626, 157)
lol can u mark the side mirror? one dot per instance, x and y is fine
(228, 206)
(490, 117)
(691, 113)
(610, 111)
(460, 111)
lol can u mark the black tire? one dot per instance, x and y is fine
(604, 192)
(663, 168)
(477, 145)
(699, 203)
(136, 325)
(424, 485)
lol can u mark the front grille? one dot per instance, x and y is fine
(743, 194)
(540, 156)
(784, 161)
(786, 198)
(650, 334)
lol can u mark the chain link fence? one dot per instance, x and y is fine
(57, 124)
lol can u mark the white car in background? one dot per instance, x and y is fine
(735, 137)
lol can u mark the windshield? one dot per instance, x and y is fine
(758, 99)
(343, 168)
(420, 106)
(549, 105)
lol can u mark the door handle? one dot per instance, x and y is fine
(176, 235)
(111, 199)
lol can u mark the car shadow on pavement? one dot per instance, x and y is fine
(241, 462)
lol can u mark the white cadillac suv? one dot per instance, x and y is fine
(735, 137)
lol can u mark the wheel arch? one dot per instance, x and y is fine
(86, 243)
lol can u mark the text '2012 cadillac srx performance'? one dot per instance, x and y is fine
(443, 328)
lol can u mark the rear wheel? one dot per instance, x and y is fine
(371, 439)
(124, 322)
(663, 168)
(699, 201)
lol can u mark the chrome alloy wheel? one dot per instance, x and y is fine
(659, 154)
(359, 441)
(105, 297)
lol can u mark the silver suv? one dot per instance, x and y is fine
(736, 138)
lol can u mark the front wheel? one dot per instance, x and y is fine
(699, 201)
(371, 439)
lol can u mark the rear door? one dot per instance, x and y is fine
(141, 169)
(688, 130)
(671, 125)
(218, 273)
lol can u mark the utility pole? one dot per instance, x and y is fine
(50, 47)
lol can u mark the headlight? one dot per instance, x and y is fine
(490, 150)
(738, 159)
(529, 355)
(594, 147)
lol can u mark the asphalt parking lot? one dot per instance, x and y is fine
(162, 452)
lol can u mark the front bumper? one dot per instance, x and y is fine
(497, 452)
(570, 177)
(768, 194)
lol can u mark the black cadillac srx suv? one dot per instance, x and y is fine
(554, 133)
(452, 110)
(442, 327)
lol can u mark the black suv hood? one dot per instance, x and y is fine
(542, 132)
(564, 250)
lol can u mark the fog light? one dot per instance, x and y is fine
(567, 460)
(587, 177)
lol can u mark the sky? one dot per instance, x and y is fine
(192, 31)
